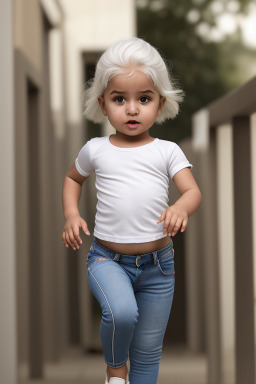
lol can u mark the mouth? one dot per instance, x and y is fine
(132, 123)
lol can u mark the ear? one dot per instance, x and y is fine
(102, 105)
(161, 105)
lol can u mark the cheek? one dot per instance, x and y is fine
(114, 112)
(152, 114)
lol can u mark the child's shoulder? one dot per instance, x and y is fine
(167, 145)
(96, 142)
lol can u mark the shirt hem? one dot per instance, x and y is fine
(125, 240)
(180, 167)
(78, 168)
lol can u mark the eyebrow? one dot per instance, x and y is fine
(122, 93)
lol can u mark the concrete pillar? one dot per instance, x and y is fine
(22, 211)
(49, 236)
(57, 81)
(35, 249)
(28, 223)
(8, 334)
(77, 293)
(225, 209)
(244, 267)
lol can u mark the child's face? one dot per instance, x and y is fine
(131, 103)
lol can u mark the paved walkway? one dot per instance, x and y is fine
(177, 367)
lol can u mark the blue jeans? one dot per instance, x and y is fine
(135, 294)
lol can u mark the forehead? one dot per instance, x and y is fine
(132, 80)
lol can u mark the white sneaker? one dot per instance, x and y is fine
(115, 380)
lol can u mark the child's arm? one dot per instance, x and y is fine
(176, 216)
(71, 193)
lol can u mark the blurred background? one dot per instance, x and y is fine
(49, 320)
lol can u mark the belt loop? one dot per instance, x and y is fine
(116, 257)
(155, 257)
(136, 261)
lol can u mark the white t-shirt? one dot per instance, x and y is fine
(132, 186)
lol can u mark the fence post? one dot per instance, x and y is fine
(244, 287)
(210, 242)
(225, 202)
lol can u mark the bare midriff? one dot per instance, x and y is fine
(134, 249)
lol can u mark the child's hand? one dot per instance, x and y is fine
(70, 235)
(174, 217)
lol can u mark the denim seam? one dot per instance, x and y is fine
(111, 314)
(91, 265)
(96, 261)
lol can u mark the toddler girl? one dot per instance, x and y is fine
(130, 265)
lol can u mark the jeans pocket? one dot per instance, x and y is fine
(166, 264)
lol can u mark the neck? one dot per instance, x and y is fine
(143, 137)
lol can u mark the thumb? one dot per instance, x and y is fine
(162, 217)
(85, 228)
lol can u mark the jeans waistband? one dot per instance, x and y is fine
(150, 257)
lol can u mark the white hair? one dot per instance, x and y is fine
(131, 52)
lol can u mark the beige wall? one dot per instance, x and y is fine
(8, 331)
(96, 24)
(27, 28)
(41, 280)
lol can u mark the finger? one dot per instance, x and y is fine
(162, 217)
(73, 241)
(184, 225)
(85, 228)
(168, 219)
(68, 240)
(170, 223)
(64, 239)
(176, 227)
(77, 235)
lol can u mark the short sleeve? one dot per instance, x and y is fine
(83, 161)
(177, 161)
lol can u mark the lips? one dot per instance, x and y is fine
(132, 124)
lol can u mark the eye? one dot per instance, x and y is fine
(144, 99)
(119, 99)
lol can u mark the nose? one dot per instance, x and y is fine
(132, 109)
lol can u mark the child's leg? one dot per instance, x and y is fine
(154, 302)
(117, 372)
(113, 290)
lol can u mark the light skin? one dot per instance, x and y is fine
(131, 104)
